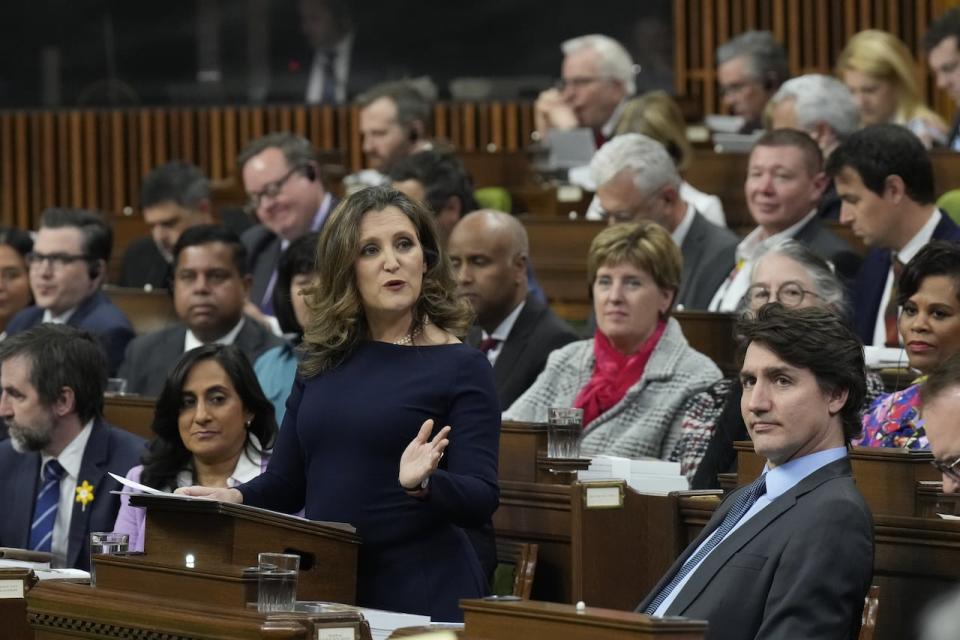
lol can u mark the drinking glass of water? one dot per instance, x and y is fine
(277, 584)
(105, 543)
(565, 426)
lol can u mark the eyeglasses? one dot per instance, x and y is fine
(272, 190)
(949, 470)
(56, 260)
(789, 294)
(578, 82)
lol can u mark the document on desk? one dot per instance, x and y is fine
(43, 571)
(947, 516)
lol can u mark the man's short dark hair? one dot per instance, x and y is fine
(946, 376)
(936, 258)
(412, 105)
(441, 174)
(812, 156)
(942, 28)
(97, 236)
(62, 356)
(882, 150)
(18, 239)
(299, 258)
(818, 340)
(296, 150)
(208, 234)
(179, 182)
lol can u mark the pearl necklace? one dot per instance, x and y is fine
(410, 337)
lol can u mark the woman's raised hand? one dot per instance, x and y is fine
(422, 455)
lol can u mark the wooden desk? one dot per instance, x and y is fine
(130, 413)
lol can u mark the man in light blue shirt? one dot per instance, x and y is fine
(791, 554)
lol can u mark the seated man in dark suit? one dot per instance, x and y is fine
(173, 197)
(489, 251)
(210, 286)
(68, 266)
(885, 179)
(785, 181)
(281, 176)
(791, 554)
(940, 394)
(638, 180)
(53, 468)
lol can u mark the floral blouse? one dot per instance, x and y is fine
(894, 420)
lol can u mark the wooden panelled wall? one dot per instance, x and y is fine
(814, 33)
(96, 158)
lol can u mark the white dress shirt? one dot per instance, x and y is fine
(191, 341)
(341, 71)
(71, 459)
(63, 318)
(502, 332)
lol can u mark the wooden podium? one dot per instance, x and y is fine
(190, 581)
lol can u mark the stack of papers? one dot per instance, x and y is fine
(384, 623)
(43, 571)
(643, 476)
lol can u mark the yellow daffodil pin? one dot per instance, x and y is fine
(84, 494)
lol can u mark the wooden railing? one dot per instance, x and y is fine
(814, 33)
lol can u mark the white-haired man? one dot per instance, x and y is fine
(750, 68)
(637, 180)
(598, 76)
(823, 108)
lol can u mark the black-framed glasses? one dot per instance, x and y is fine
(272, 190)
(56, 260)
(949, 470)
(789, 294)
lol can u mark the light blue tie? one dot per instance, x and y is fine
(737, 511)
(45, 507)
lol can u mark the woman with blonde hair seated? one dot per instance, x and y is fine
(882, 76)
(632, 378)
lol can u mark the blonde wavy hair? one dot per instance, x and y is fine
(883, 56)
(656, 115)
(338, 322)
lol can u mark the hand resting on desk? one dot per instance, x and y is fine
(210, 493)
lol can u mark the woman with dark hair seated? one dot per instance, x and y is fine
(276, 368)
(15, 293)
(213, 427)
(929, 324)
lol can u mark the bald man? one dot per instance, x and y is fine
(489, 254)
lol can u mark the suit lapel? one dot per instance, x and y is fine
(21, 508)
(515, 343)
(692, 254)
(85, 309)
(92, 470)
(263, 270)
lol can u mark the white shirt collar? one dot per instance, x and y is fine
(318, 218)
(63, 318)
(921, 238)
(752, 245)
(72, 455)
(611, 124)
(680, 233)
(502, 332)
(249, 466)
(191, 341)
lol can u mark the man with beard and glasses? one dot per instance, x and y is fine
(54, 485)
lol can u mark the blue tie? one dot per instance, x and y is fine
(737, 511)
(45, 508)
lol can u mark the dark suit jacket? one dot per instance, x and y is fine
(868, 290)
(144, 264)
(108, 449)
(151, 357)
(263, 253)
(799, 568)
(97, 315)
(704, 244)
(832, 247)
(536, 333)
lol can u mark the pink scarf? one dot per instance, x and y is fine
(613, 373)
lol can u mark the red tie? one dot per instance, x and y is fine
(598, 138)
(890, 313)
(488, 343)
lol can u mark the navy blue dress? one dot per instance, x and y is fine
(338, 456)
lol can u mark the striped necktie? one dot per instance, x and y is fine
(737, 511)
(45, 507)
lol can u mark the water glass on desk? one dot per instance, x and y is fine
(277, 583)
(106, 543)
(565, 426)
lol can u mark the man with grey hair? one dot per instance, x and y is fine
(750, 68)
(637, 180)
(823, 108)
(818, 105)
(598, 77)
(489, 251)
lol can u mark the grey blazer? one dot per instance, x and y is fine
(799, 568)
(704, 244)
(646, 422)
(150, 358)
